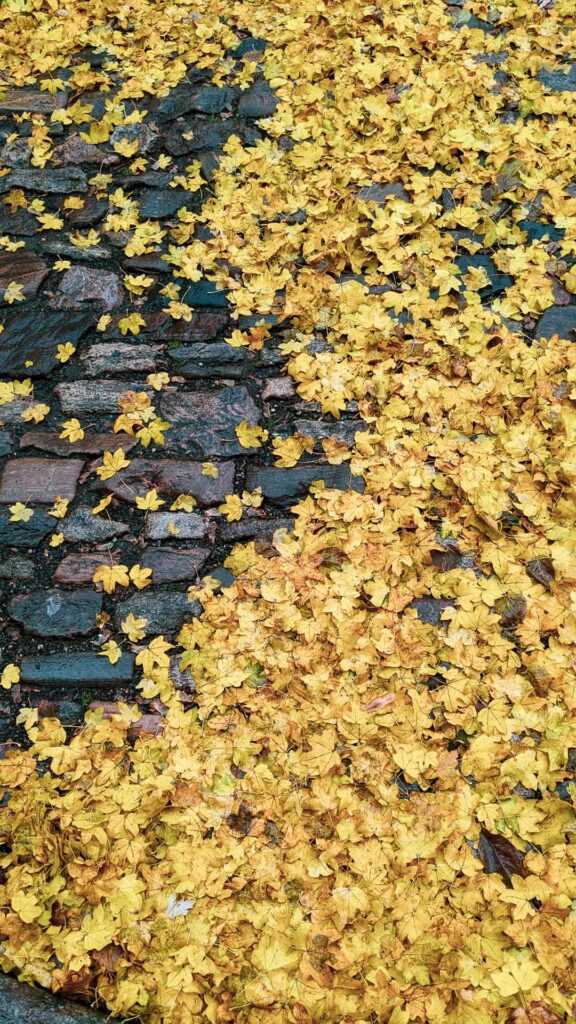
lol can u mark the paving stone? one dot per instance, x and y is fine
(188, 526)
(173, 566)
(562, 80)
(79, 569)
(82, 525)
(151, 179)
(39, 480)
(84, 284)
(17, 222)
(279, 388)
(342, 430)
(560, 320)
(163, 203)
(205, 293)
(248, 527)
(59, 613)
(171, 477)
(208, 99)
(16, 101)
(129, 132)
(91, 213)
(285, 486)
(75, 151)
(25, 535)
(23, 267)
(166, 613)
(498, 281)
(16, 568)
(91, 444)
(150, 262)
(257, 101)
(251, 45)
(213, 359)
(16, 153)
(429, 609)
(204, 325)
(59, 247)
(63, 180)
(378, 193)
(24, 1004)
(210, 135)
(80, 396)
(78, 669)
(5, 441)
(214, 415)
(118, 357)
(176, 103)
(33, 335)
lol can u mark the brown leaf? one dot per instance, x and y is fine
(500, 856)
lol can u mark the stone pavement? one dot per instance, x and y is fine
(53, 618)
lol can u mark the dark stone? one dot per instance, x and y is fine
(60, 247)
(33, 335)
(498, 281)
(340, 430)
(148, 262)
(216, 359)
(205, 293)
(19, 222)
(203, 326)
(60, 613)
(163, 203)
(429, 609)
(79, 569)
(23, 1004)
(177, 102)
(379, 193)
(560, 320)
(536, 230)
(86, 284)
(285, 486)
(23, 267)
(80, 396)
(64, 180)
(118, 357)
(91, 213)
(16, 568)
(257, 101)
(210, 418)
(129, 132)
(39, 480)
(251, 45)
(76, 669)
(91, 444)
(177, 526)
(541, 570)
(563, 80)
(208, 135)
(76, 151)
(82, 525)
(151, 179)
(171, 477)
(25, 535)
(171, 566)
(5, 443)
(166, 613)
(249, 527)
(511, 609)
(17, 101)
(16, 153)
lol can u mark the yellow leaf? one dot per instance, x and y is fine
(103, 322)
(250, 436)
(56, 540)
(25, 906)
(158, 380)
(110, 650)
(131, 323)
(209, 469)
(20, 513)
(59, 508)
(64, 352)
(183, 503)
(71, 431)
(102, 505)
(112, 463)
(111, 576)
(134, 627)
(231, 508)
(14, 293)
(10, 676)
(150, 501)
(35, 413)
(140, 577)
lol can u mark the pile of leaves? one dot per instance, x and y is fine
(367, 815)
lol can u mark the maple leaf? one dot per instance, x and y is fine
(110, 650)
(231, 508)
(64, 352)
(35, 413)
(59, 508)
(131, 323)
(14, 292)
(183, 503)
(10, 675)
(56, 540)
(150, 501)
(250, 436)
(134, 627)
(111, 576)
(102, 505)
(112, 463)
(72, 431)
(20, 513)
(140, 577)
(209, 469)
(158, 380)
